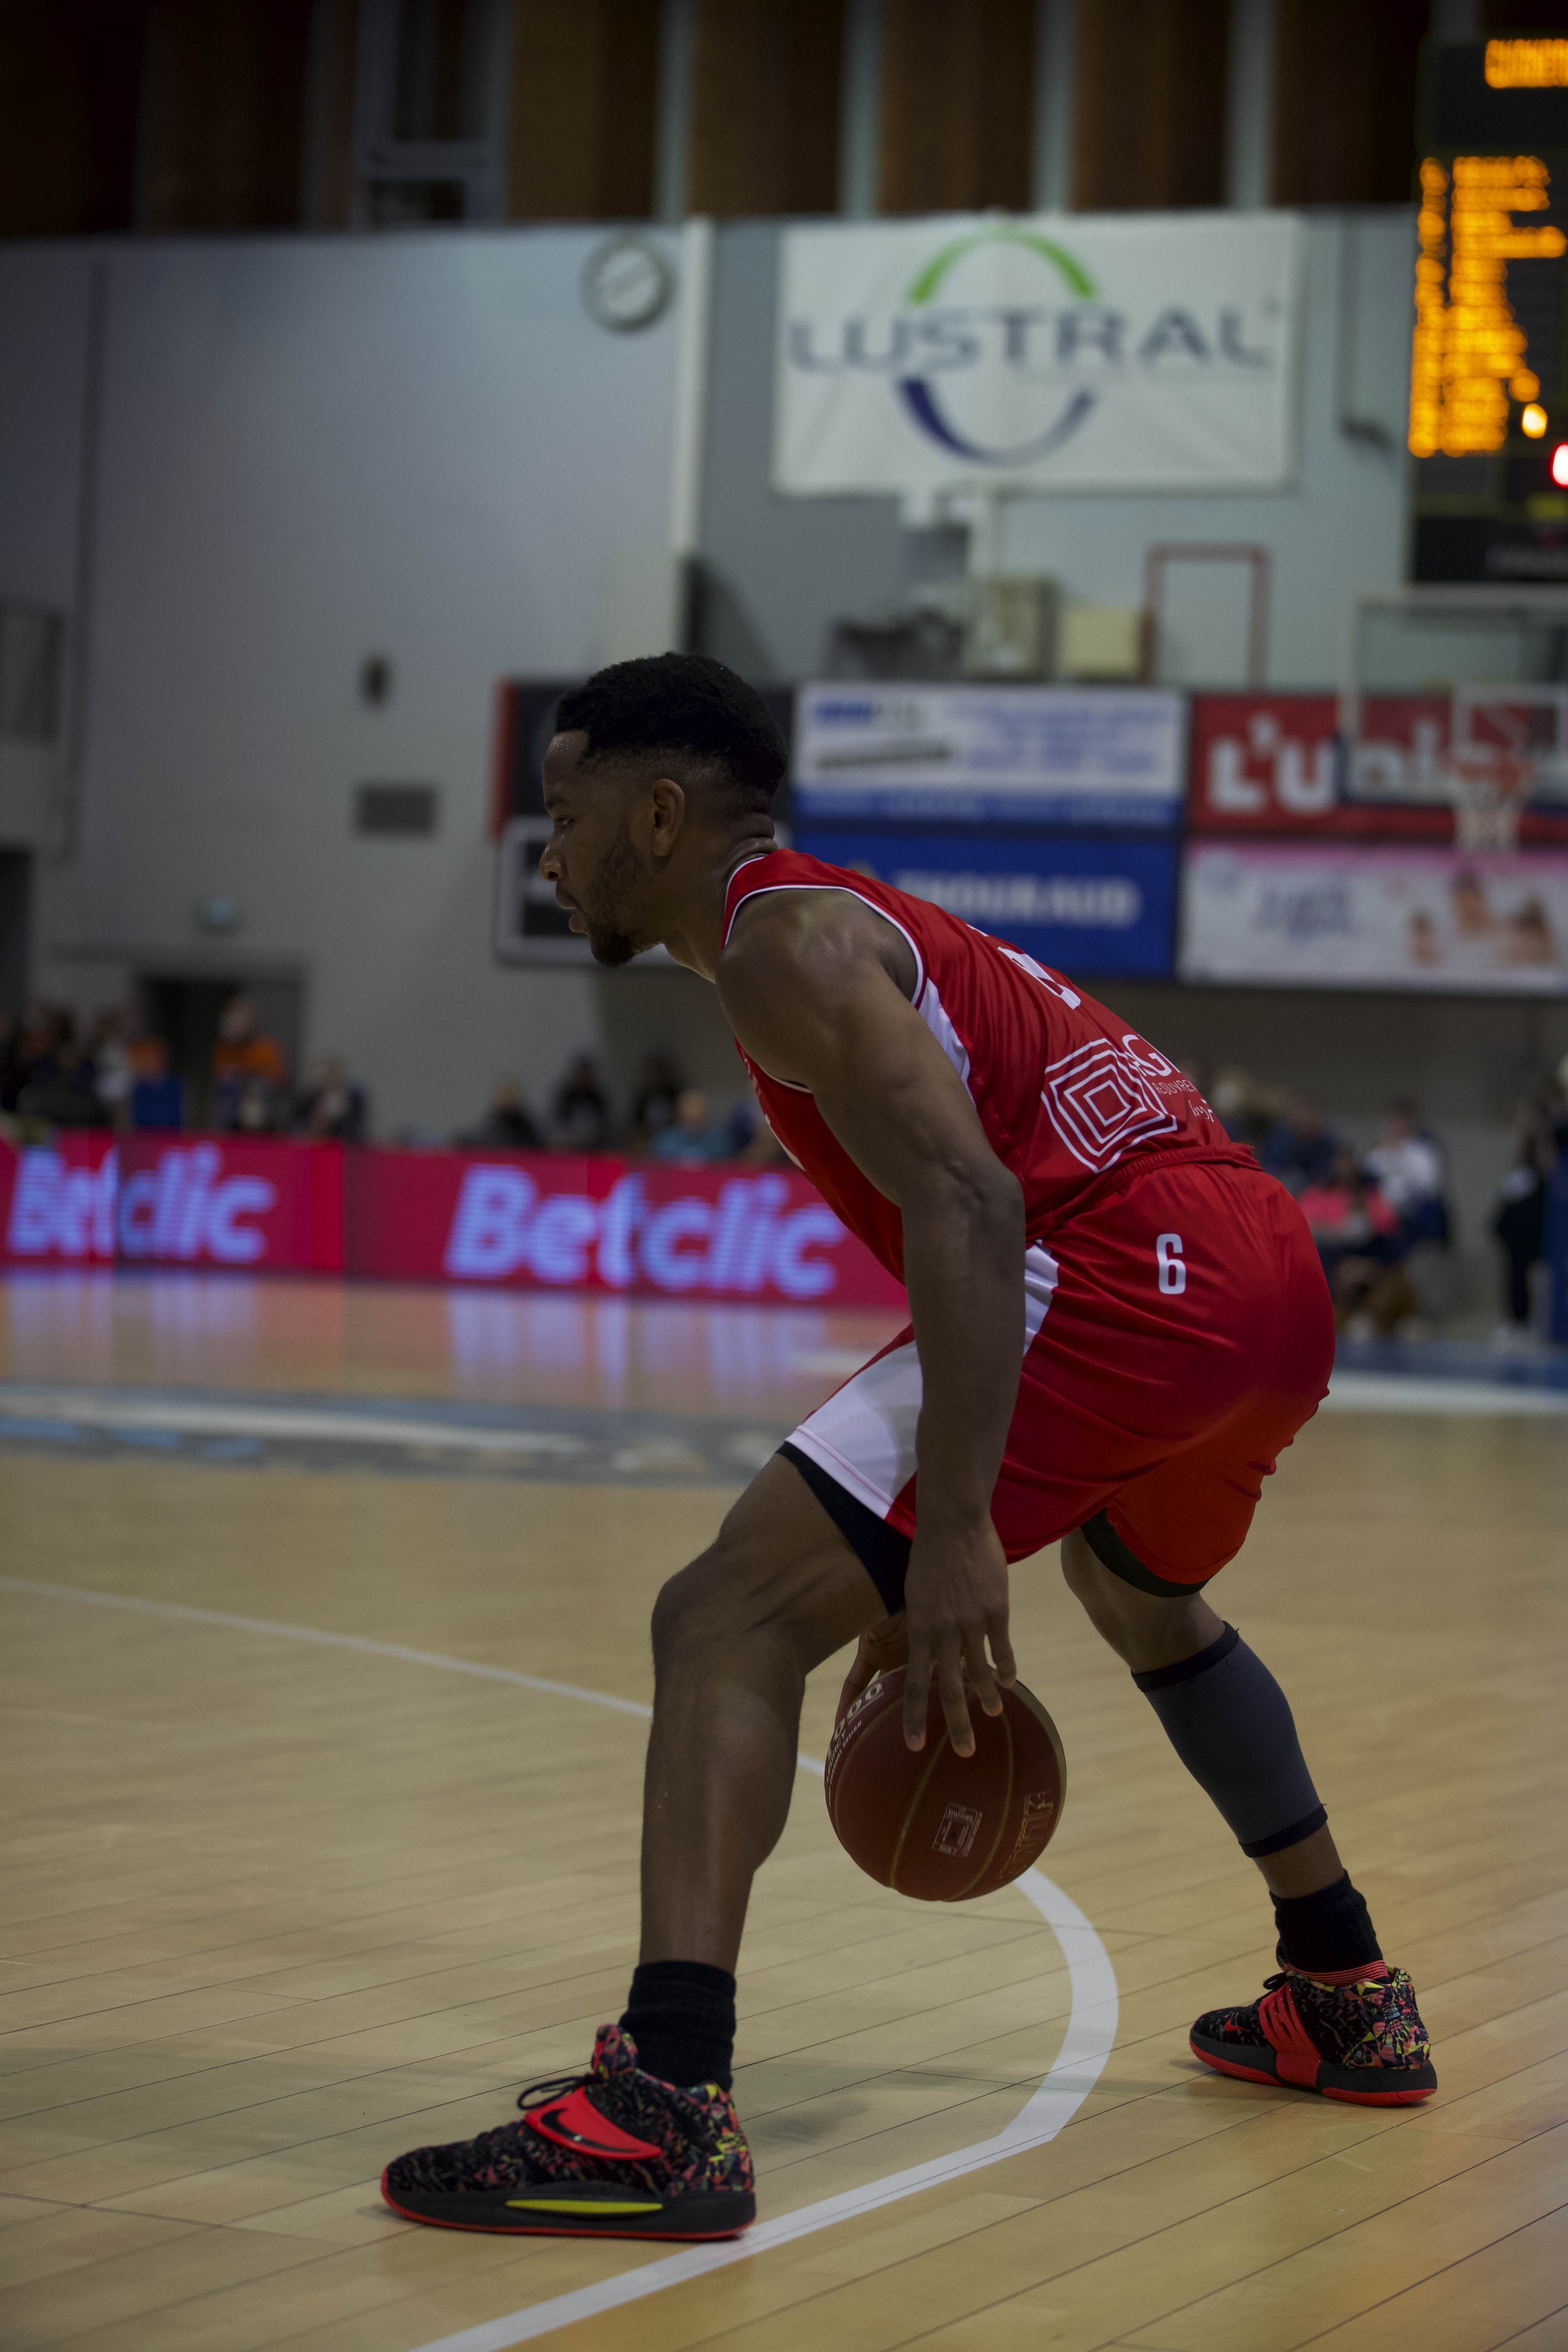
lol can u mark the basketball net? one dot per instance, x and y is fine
(1490, 790)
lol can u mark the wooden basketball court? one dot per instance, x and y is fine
(279, 1906)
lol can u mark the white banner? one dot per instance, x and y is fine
(1043, 755)
(1307, 915)
(1059, 351)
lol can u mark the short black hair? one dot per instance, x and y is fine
(682, 703)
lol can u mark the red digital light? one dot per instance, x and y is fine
(1560, 465)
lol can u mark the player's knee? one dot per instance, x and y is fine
(1087, 1577)
(685, 1612)
(711, 1601)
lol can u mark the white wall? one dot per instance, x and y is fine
(784, 569)
(312, 450)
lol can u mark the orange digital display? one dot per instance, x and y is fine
(1527, 65)
(1469, 349)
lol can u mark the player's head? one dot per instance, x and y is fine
(654, 763)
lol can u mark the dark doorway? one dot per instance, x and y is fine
(186, 1012)
(15, 920)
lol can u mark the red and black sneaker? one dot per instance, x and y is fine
(1363, 2040)
(614, 2153)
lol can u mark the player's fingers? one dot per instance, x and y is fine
(1002, 1655)
(980, 1683)
(955, 1702)
(977, 1666)
(917, 1684)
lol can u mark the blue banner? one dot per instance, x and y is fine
(1082, 906)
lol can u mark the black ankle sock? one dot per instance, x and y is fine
(681, 2015)
(1328, 1930)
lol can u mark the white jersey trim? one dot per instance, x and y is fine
(864, 1436)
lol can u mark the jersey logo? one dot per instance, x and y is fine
(1102, 1100)
(1058, 987)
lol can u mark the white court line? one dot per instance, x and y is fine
(99, 1412)
(1092, 2026)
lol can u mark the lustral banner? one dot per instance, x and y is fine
(1081, 906)
(1276, 764)
(522, 1219)
(976, 755)
(1077, 353)
(1317, 916)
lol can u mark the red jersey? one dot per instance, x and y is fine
(1064, 1091)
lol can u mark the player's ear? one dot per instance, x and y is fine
(668, 815)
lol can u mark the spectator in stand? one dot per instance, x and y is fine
(506, 1124)
(1407, 1168)
(695, 1137)
(112, 1074)
(62, 1089)
(582, 1115)
(1298, 1149)
(1347, 1215)
(752, 1139)
(654, 1103)
(33, 1058)
(332, 1108)
(249, 1078)
(1519, 1220)
(1246, 1112)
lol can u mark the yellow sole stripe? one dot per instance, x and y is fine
(576, 2205)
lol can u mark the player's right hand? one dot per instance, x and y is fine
(955, 1595)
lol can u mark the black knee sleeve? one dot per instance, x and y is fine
(1231, 1725)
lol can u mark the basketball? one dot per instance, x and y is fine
(935, 1825)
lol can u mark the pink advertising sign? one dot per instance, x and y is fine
(524, 1220)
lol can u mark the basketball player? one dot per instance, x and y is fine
(1118, 1321)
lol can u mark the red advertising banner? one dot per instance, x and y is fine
(538, 1219)
(87, 1200)
(523, 1220)
(1274, 763)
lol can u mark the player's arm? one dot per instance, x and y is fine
(817, 993)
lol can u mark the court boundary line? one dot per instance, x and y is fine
(1085, 2045)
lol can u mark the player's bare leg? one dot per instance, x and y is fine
(734, 1636)
(1337, 2020)
(647, 2142)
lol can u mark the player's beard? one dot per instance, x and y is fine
(603, 903)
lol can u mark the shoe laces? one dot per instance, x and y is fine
(555, 2086)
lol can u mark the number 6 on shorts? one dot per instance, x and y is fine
(1172, 1271)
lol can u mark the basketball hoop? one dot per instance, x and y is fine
(1490, 790)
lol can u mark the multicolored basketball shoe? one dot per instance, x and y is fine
(614, 2153)
(1363, 2042)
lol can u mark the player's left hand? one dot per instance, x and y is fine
(883, 1649)
(955, 1600)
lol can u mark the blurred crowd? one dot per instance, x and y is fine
(664, 1117)
(115, 1072)
(1381, 1214)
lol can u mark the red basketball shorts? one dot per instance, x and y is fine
(1178, 1333)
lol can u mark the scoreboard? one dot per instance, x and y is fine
(1489, 374)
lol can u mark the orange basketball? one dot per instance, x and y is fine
(938, 1826)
